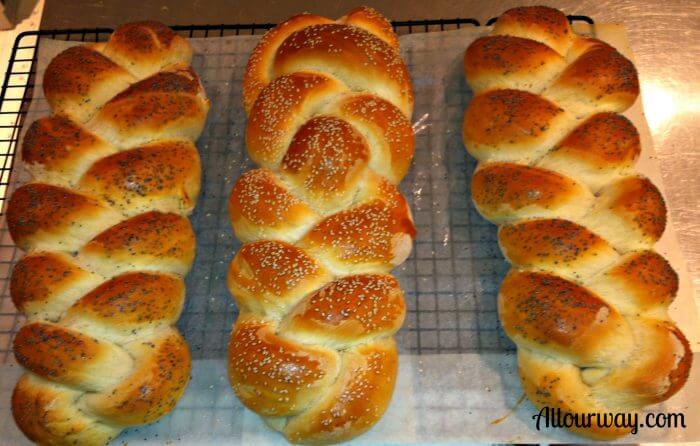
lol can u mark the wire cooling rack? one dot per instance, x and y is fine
(439, 319)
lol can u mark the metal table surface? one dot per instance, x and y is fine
(665, 38)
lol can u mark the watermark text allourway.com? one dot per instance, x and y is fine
(557, 418)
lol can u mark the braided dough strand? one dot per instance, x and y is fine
(104, 223)
(586, 300)
(323, 224)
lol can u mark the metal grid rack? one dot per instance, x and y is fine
(450, 309)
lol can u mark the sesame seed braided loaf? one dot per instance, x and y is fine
(115, 173)
(323, 223)
(586, 299)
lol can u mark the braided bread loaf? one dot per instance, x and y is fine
(115, 172)
(586, 299)
(323, 223)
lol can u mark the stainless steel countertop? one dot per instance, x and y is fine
(665, 39)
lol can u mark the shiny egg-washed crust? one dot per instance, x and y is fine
(494, 62)
(358, 58)
(163, 176)
(586, 300)
(603, 146)
(323, 223)
(538, 23)
(61, 150)
(145, 48)
(104, 223)
(45, 217)
(259, 71)
(168, 105)
(80, 80)
(512, 125)
(504, 192)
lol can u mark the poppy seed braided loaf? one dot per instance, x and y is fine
(586, 299)
(104, 223)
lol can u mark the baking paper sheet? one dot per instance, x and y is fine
(458, 374)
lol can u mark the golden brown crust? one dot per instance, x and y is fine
(142, 36)
(358, 58)
(261, 207)
(370, 235)
(640, 282)
(259, 71)
(101, 285)
(274, 376)
(681, 363)
(638, 210)
(69, 357)
(329, 108)
(374, 22)
(501, 61)
(271, 276)
(258, 68)
(80, 80)
(604, 80)
(46, 414)
(179, 79)
(36, 206)
(505, 192)
(152, 241)
(546, 313)
(541, 23)
(57, 150)
(132, 301)
(642, 203)
(557, 245)
(51, 139)
(603, 140)
(45, 284)
(511, 125)
(325, 161)
(602, 147)
(658, 369)
(587, 300)
(280, 109)
(506, 114)
(356, 401)
(168, 105)
(162, 371)
(147, 47)
(348, 311)
(40, 216)
(650, 276)
(163, 176)
(391, 132)
(549, 383)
